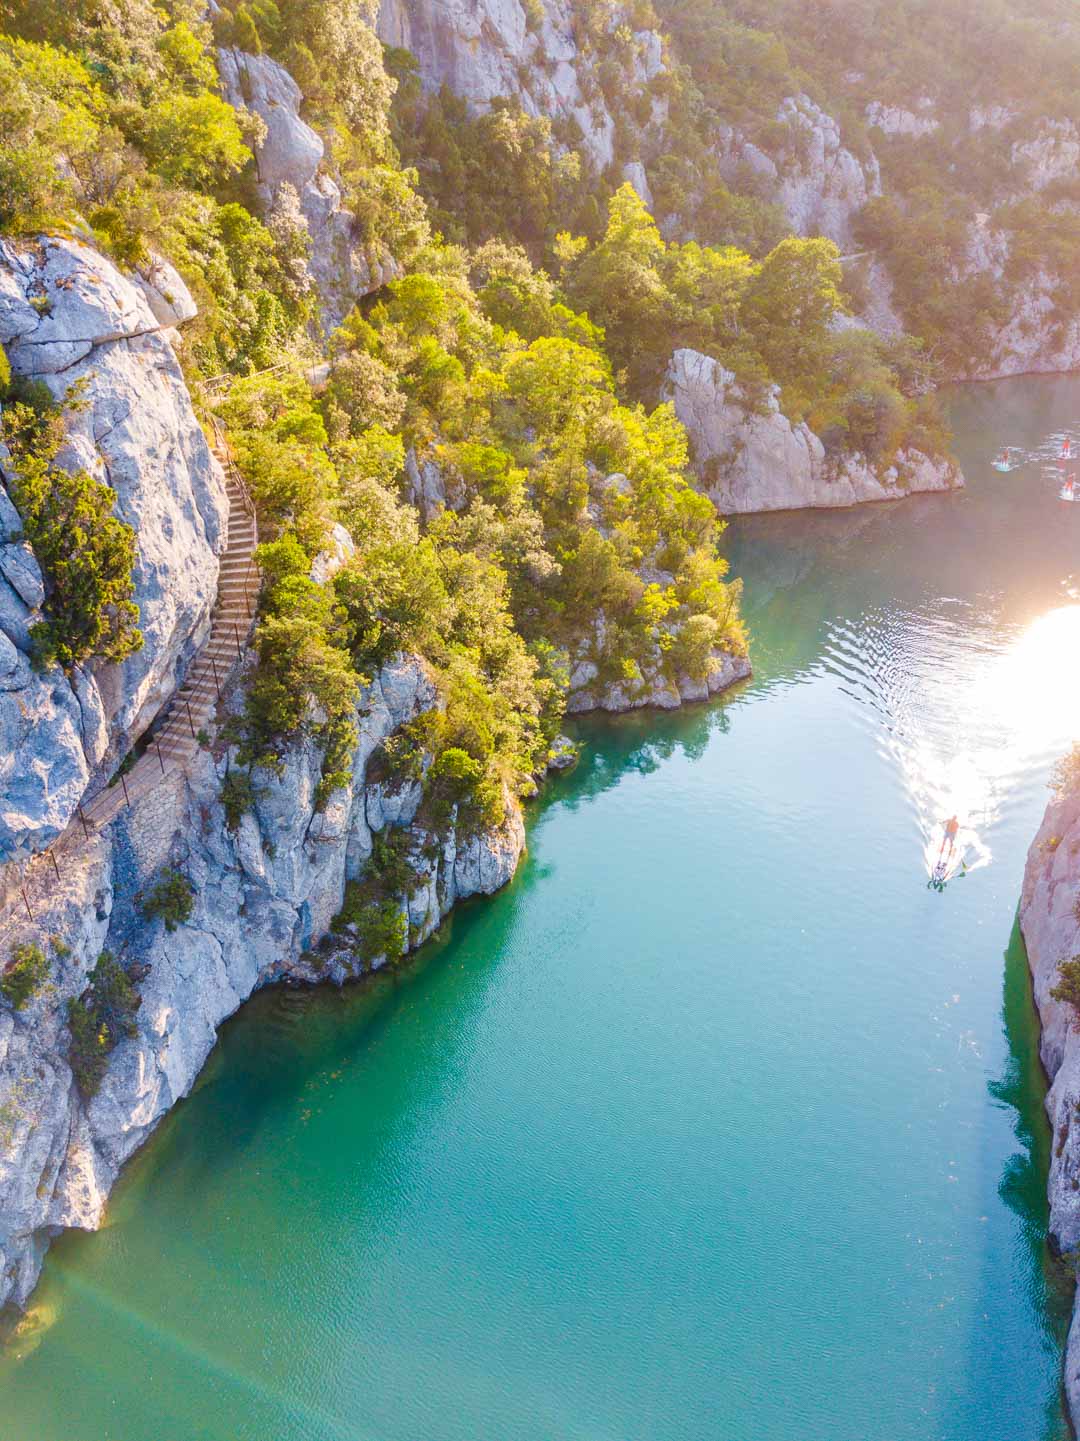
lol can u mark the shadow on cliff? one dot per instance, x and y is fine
(1022, 1187)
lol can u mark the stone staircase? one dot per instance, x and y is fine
(175, 737)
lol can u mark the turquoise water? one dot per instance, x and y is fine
(717, 1125)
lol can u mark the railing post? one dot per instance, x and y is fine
(217, 683)
(191, 723)
(86, 828)
(123, 782)
(56, 868)
(161, 763)
(26, 903)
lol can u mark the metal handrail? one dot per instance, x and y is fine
(224, 449)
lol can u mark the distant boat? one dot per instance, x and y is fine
(1011, 458)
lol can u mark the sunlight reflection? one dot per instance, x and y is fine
(987, 717)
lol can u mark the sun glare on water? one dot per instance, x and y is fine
(987, 718)
(1036, 688)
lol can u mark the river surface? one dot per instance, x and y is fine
(717, 1125)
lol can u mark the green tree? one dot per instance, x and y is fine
(26, 973)
(86, 554)
(788, 310)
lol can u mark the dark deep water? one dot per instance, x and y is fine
(718, 1125)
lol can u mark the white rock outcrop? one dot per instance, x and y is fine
(655, 689)
(1050, 922)
(990, 117)
(1050, 156)
(1040, 336)
(70, 319)
(483, 49)
(896, 120)
(264, 897)
(818, 181)
(827, 183)
(755, 460)
(292, 154)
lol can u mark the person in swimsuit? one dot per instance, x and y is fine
(952, 830)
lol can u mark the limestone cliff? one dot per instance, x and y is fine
(296, 183)
(751, 459)
(70, 319)
(265, 897)
(1050, 921)
(816, 179)
(1041, 334)
(483, 49)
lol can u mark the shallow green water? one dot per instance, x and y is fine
(716, 1126)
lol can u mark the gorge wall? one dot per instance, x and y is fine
(1050, 922)
(265, 895)
(819, 170)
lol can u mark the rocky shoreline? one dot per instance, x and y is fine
(751, 460)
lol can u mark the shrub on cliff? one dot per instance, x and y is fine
(99, 1020)
(1065, 780)
(171, 898)
(372, 911)
(24, 976)
(1067, 989)
(86, 553)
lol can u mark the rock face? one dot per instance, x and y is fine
(265, 895)
(483, 49)
(826, 184)
(1051, 928)
(1051, 155)
(69, 318)
(749, 460)
(819, 182)
(1039, 337)
(290, 162)
(654, 689)
(895, 120)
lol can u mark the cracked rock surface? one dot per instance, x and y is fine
(70, 319)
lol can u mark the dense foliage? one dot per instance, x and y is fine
(491, 433)
(740, 58)
(85, 552)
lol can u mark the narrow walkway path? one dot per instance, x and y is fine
(189, 711)
(175, 740)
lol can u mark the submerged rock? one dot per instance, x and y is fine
(751, 459)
